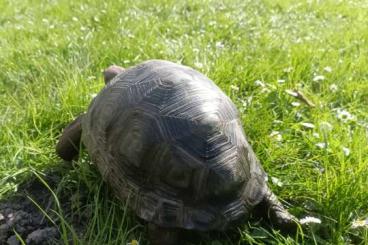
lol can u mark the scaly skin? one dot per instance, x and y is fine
(274, 211)
(111, 72)
(68, 146)
(163, 236)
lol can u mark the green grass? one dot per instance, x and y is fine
(52, 54)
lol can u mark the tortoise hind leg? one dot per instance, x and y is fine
(68, 146)
(272, 208)
(158, 235)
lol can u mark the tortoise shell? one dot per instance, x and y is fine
(170, 142)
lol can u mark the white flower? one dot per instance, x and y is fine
(316, 135)
(325, 126)
(281, 80)
(346, 151)
(198, 65)
(310, 219)
(277, 122)
(91, 78)
(333, 87)
(359, 223)
(298, 115)
(276, 135)
(260, 83)
(265, 90)
(246, 102)
(219, 45)
(308, 125)
(234, 87)
(321, 145)
(295, 103)
(93, 95)
(288, 69)
(344, 115)
(276, 181)
(291, 92)
(212, 23)
(318, 78)
(327, 69)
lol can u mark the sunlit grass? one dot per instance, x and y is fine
(52, 54)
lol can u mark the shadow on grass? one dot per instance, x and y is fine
(71, 205)
(58, 206)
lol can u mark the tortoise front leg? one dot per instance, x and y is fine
(163, 236)
(68, 146)
(277, 214)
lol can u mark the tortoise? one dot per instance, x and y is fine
(171, 143)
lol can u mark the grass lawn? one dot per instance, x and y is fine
(52, 54)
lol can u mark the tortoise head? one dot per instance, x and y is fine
(111, 72)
